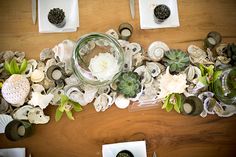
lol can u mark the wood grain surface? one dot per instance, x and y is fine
(169, 134)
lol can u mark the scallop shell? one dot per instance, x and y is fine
(122, 102)
(153, 69)
(40, 100)
(15, 89)
(46, 54)
(36, 116)
(22, 113)
(156, 50)
(4, 120)
(102, 102)
(37, 76)
(133, 48)
(113, 33)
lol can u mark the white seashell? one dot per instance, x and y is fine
(153, 68)
(37, 76)
(72, 80)
(225, 110)
(113, 33)
(156, 50)
(89, 93)
(220, 49)
(102, 102)
(22, 113)
(123, 43)
(76, 95)
(122, 102)
(4, 120)
(48, 83)
(38, 88)
(197, 55)
(34, 63)
(146, 77)
(41, 66)
(133, 48)
(209, 105)
(15, 89)
(46, 54)
(127, 61)
(56, 92)
(40, 100)
(31, 66)
(193, 73)
(138, 59)
(203, 96)
(36, 116)
(104, 89)
(49, 63)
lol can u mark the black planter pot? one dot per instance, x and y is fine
(56, 16)
(124, 153)
(161, 13)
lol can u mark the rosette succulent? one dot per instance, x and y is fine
(57, 17)
(177, 60)
(230, 51)
(129, 84)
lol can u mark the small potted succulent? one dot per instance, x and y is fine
(161, 13)
(56, 16)
(124, 153)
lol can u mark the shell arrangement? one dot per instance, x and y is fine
(144, 80)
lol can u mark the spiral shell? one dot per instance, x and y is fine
(156, 50)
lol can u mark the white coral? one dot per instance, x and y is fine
(171, 84)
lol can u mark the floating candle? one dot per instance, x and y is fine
(21, 130)
(56, 74)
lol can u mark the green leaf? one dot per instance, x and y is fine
(179, 103)
(23, 66)
(77, 107)
(64, 99)
(14, 69)
(167, 99)
(7, 66)
(0, 84)
(169, 107)
(203, 80)
(216, 75)
(69, 115)
(58, 115)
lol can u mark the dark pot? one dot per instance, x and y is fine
(161, 13)
(124, 153)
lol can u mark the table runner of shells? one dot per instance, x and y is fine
(26, 95)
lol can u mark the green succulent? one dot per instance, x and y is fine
(173, 101)
(13, 67)
(66, 106)
(177, 60)
(129, 84)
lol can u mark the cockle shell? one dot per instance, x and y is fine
(22, 113)
(122, 102)
(113, 33)
(156, 50)
(36, 116)
(133, 48)
(40, 100)
(197, 55)
(46, 54)
(153, 68)
(102, 102)
(37, 76)
(15, 89)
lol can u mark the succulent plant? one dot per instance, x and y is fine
(177, 60)
(129, 84)
(13, 67)
(175, 101)
(56, 16)
(162, 12)
(230, 51)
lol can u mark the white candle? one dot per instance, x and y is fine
(21, 130)
(125, 32)
(56, 74)
(187, 108)
(211, 40)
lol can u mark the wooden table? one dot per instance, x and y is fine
(169, 134)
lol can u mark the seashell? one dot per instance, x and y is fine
(197, 55)
(134, 48)
(46, 54)
(123, 43)
(49, 63)
(19, 56)
(220, 49)
(8, 55)
(56, 92)
(153, 68)
(4, 120)
(113, 33)
(48, 83)
(102, 102)
(36, 116)
(5, 107)
(40, 100)
(113, 85)
(41, 66)
(31, 66)
(209, 105)
(72, 80)
(203, 96)
(223, 59)
(76, 95)
(15, 89)
(1, 57)
(142, 71)
(210, 55)
(104, 89)
(225, 110)
(37, 76)
(138, 59)
(89, 93)
(38, 88)
(122, 102)
(128, 61)
(156, 50)
(22, 113)
(34, 63)
(193, 73)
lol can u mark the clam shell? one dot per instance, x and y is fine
(75, 94)
(153, 69)
(4, 120)
(122, 102)
(37, 76)
(15, 89)
(113, 33)
(46, 54)
(102, 102)
(36, 116)
(133, 48)
(22, 113)
(156, 50)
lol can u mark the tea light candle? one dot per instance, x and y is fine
(211, 40)
(187, 108)
(125, 31)
(56, 74)
(21, 130)
(192, 106)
